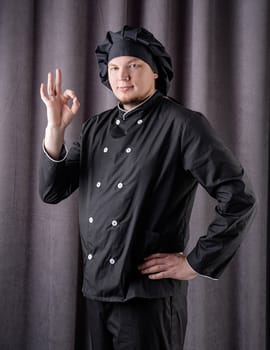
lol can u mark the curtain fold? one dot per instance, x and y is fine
(220, 54)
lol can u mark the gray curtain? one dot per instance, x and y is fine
(220, 52)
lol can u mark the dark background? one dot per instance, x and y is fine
(220, 53)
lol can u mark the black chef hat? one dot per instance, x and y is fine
(137, 42)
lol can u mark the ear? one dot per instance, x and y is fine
(155, 75)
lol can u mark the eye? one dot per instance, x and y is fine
(113, 68)
(133, 65)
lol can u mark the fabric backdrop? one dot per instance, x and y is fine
(220, 53)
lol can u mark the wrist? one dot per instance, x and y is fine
(57, 129)
(190, 269)
(54, 140)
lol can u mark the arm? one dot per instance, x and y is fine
(58, 170)
(223, 177)
(215, 168)
(59, 179)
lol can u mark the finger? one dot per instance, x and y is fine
(58, 81)
(160, 275)
(154, 269)
(156, 255)
(75, 105)
(147, 264)
(50, 86)
(151, 263)
(69, 94)
(164, 259)
(43, 93)
(173, 273)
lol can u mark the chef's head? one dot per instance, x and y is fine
(134, 44)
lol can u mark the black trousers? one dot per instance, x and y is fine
(138, 324)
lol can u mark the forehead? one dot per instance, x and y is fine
(124, 60)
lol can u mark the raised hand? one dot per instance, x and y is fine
(59, 112)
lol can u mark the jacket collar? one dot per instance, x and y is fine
(142, 108)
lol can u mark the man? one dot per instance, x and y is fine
(137, 167)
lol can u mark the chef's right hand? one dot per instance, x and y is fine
(59, 112)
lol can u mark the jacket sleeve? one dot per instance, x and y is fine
(59, 179)
(216, 169)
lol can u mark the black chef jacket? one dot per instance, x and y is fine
(137, 174)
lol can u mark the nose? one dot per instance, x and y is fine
(123, 74)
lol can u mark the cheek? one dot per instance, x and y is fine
(111, 81)
(147, 82)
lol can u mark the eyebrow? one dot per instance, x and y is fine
(130, 61)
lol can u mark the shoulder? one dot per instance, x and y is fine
(176, 111)
(192, 124)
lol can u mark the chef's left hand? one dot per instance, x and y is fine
(167, 265)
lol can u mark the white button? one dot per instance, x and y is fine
(114, 223)
(112, 261)
(105, 149)
(117, 122)
(98, 184)
(128, 150)
(120, 185)
(90, 257)
(139, 121)
(91, 220)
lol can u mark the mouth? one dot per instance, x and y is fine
(124, 88)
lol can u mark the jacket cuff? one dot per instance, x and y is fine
(189, 261)
(63, 153)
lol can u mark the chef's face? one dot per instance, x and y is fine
(132, 80)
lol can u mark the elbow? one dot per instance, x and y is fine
(254, 203)
(251, 199)
(250, 207)
(48, 197)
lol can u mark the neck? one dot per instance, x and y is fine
(133, 105)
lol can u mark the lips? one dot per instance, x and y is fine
(124, 88)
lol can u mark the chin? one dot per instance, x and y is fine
(130, 100)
